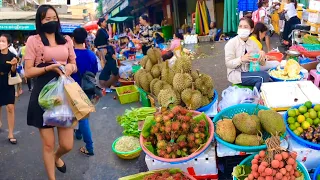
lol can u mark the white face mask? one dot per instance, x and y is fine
(277, 7)
(244, 33)
(3, 45)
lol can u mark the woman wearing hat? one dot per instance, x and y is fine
(102, 40)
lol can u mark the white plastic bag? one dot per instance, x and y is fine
(99, 64)
(234, 95)
(53, 100)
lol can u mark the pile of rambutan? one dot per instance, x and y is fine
(166, 175)
(176, 134)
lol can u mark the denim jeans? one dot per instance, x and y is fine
(84, 131)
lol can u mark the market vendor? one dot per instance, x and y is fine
(238, 55)
(127, 46)
(102, 39)
(145, 33)
(175, 44)
(292, 19)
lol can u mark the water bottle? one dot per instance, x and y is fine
(254, 64)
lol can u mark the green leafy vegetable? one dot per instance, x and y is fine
(129, 120)
(47, 101)
(241, 172)
(149, 146)
(148, 123)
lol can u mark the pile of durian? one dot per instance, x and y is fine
(178, 85)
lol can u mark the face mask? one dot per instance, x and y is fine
(49, 27)
(277, 7)
(243, 33)
(3, 45)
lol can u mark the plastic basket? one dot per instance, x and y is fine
(126, 155)
(316, 173)
(279, 56)
(242, 86)
(297, 138)
(135, 68)
(183, 159)
(208, 106)
(236, 109)
(129, 97)
(281, 80)
(311, 47)
(145, 101)
(300, 167)
(143, 174)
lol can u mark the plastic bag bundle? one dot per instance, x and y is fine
(53, 100)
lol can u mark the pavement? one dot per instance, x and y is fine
(24, 160)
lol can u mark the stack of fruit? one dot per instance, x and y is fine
(304, 122)
(246, 130)
(274, 163)
(164, 174)
(175, 133)
(177, 85)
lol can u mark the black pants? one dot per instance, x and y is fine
(254, 78)
(29, 83)
(289, 27)
(145, 49)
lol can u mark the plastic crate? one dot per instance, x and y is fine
(144, 98)
(311, 47)
(128, 97)
(202, 167)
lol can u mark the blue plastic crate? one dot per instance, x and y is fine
(247, 5)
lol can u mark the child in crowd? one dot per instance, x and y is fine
(175, 44)
(213, 31)
(127, 47)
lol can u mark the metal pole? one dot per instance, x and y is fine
(176, 14)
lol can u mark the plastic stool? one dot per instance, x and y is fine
(316, 76)
(242, 86)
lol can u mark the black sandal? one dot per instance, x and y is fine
(13, 140)
(84, 151)
(63, 168)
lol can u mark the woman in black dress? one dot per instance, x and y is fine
(8, 64)
(146, 33)
(41, 49)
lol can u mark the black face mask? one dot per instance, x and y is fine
(50, 27)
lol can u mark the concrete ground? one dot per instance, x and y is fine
(24, 160)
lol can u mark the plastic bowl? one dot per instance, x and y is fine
(298, 139)
(279, 56)
(229, 113)
(300, 167)
(126, 155)
(184, 159)
(280, 80)
(316, 173)
(208, 106)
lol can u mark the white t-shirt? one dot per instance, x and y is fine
(291, 10)
(13, 50)
(263, 13)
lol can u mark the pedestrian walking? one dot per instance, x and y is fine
(41, 49)
(86, 62)
(8, 65)
(102, 40)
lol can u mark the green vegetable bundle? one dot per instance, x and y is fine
(46, 98)
(129, 120)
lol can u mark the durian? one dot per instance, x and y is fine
(205, 101)
(182, 81)
(137, 76)
(167, 97)
(143, 61)
(149, 65)
(194, 75)
(156, 71)
(152, 83)
(167, 74)
(154, 54)
(145, 80)
(183, 63)
(160, 85)
(204, 84)
(192, 98)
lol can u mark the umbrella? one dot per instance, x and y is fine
(92, 25)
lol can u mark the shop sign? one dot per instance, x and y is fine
(115, 11)
(109, 4)
(68, 28)
(21, 27)
(124, 4)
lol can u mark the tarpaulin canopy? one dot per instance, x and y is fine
(119, 19)
(231, 16)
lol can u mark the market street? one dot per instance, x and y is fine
(24, 160)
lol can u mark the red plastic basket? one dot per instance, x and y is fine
(310, 54)
(279, 56)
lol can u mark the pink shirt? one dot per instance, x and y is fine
(36, 51)
(175, 43)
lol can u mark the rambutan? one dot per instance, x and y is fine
(167, 129)
(176, 110)
(182, 144)
(161, 152)
(173, 155)
(196, 129)
(175, 147)
(168, 123)
(158, 118)
(162, 128)
(197, 135)
(186, 118)
(185, 127)
(191, 144)
(168, 137)
(160, 137)
(154, 130)
(193, 150)
(171, 115)
(178, 152)
(167, 156)
(184, 149)
(166, 118)
(158, 125)
(183, 111)
(161, 144)
(191, 137)
(176, 125)
(202, 123)
(202, 135)
(166, 174)
(202, 129)
(198, 141)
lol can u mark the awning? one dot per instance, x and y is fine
(119, 19)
